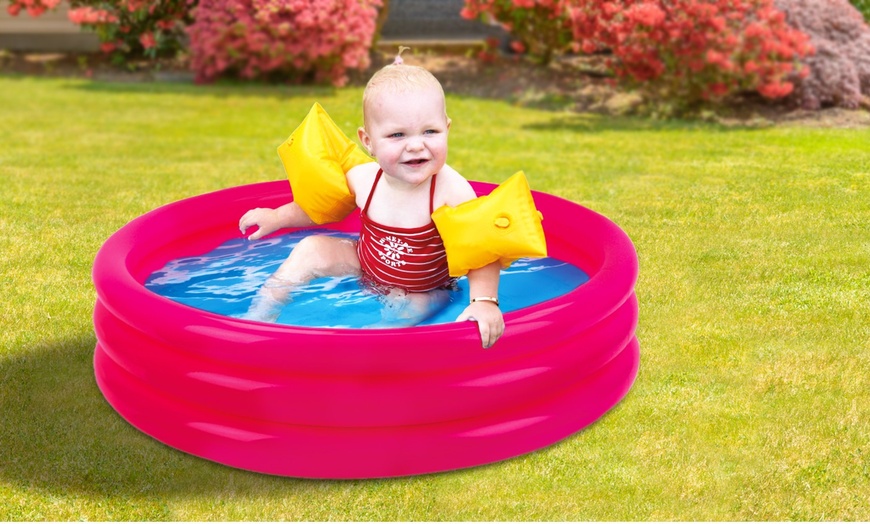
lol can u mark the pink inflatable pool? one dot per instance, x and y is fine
(356, 403)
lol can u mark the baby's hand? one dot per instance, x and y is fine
(268, 221)
(489, 318)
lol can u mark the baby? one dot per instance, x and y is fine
(399, 254)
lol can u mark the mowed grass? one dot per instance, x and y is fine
(752, 401)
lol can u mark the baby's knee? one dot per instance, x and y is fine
(312, 252)
(319, 256)
(310, 245)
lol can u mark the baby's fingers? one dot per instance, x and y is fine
(251, 218)
(485, 335)
(245, 222)
(490, 333)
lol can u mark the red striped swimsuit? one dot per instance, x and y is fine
(412, 259)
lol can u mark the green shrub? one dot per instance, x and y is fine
(863, 6)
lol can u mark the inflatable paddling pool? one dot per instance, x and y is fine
(357, 403)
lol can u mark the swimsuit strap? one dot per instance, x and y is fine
(378, 178)
(432, 194)
(372, 192)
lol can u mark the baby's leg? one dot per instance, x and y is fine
(314, 257)
(402, 309)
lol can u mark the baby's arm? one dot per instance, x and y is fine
(291, 215)
(270, 220)
(483, 285)
(483, 282)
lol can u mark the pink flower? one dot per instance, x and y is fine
(147, 40)
(647, 14)
(486, 57)
(518, 47)
(13, 9)
(107, 47)
(776, 90)
(610, 8)
(719, 89)
(35, 10)
(804, 72)
(89, 15)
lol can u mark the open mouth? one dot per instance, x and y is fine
(416, 162)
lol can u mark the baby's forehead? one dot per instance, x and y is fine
(401, 79)
(387, 99)
(388, 94)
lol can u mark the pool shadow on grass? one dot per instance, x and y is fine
(60, 435)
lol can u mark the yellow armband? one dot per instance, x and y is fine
(316, 157)
(502, 226)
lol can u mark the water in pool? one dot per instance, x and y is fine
(225, 280)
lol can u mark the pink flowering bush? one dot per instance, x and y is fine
(839, 73)
(540, 26)
(148, 28)
(684, 52)
(316, 40)
(692, 51)
(32, 7)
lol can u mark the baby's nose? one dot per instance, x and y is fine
(414, 143)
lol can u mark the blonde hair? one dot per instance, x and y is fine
(399, 78)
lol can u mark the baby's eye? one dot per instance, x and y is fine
(430, 132)
(397, 135)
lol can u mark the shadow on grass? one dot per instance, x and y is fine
(59, 434)
(219, 90)
(223, 89)
(590, 123)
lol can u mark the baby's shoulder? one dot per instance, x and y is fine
(452, 188)
(361, 177)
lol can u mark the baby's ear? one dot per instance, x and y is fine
(448, 123)
(364, 139)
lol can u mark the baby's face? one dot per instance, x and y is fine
(407, 133)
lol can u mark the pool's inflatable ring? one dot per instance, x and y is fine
(355, 403)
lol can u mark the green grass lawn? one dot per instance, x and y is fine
(753, 397)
